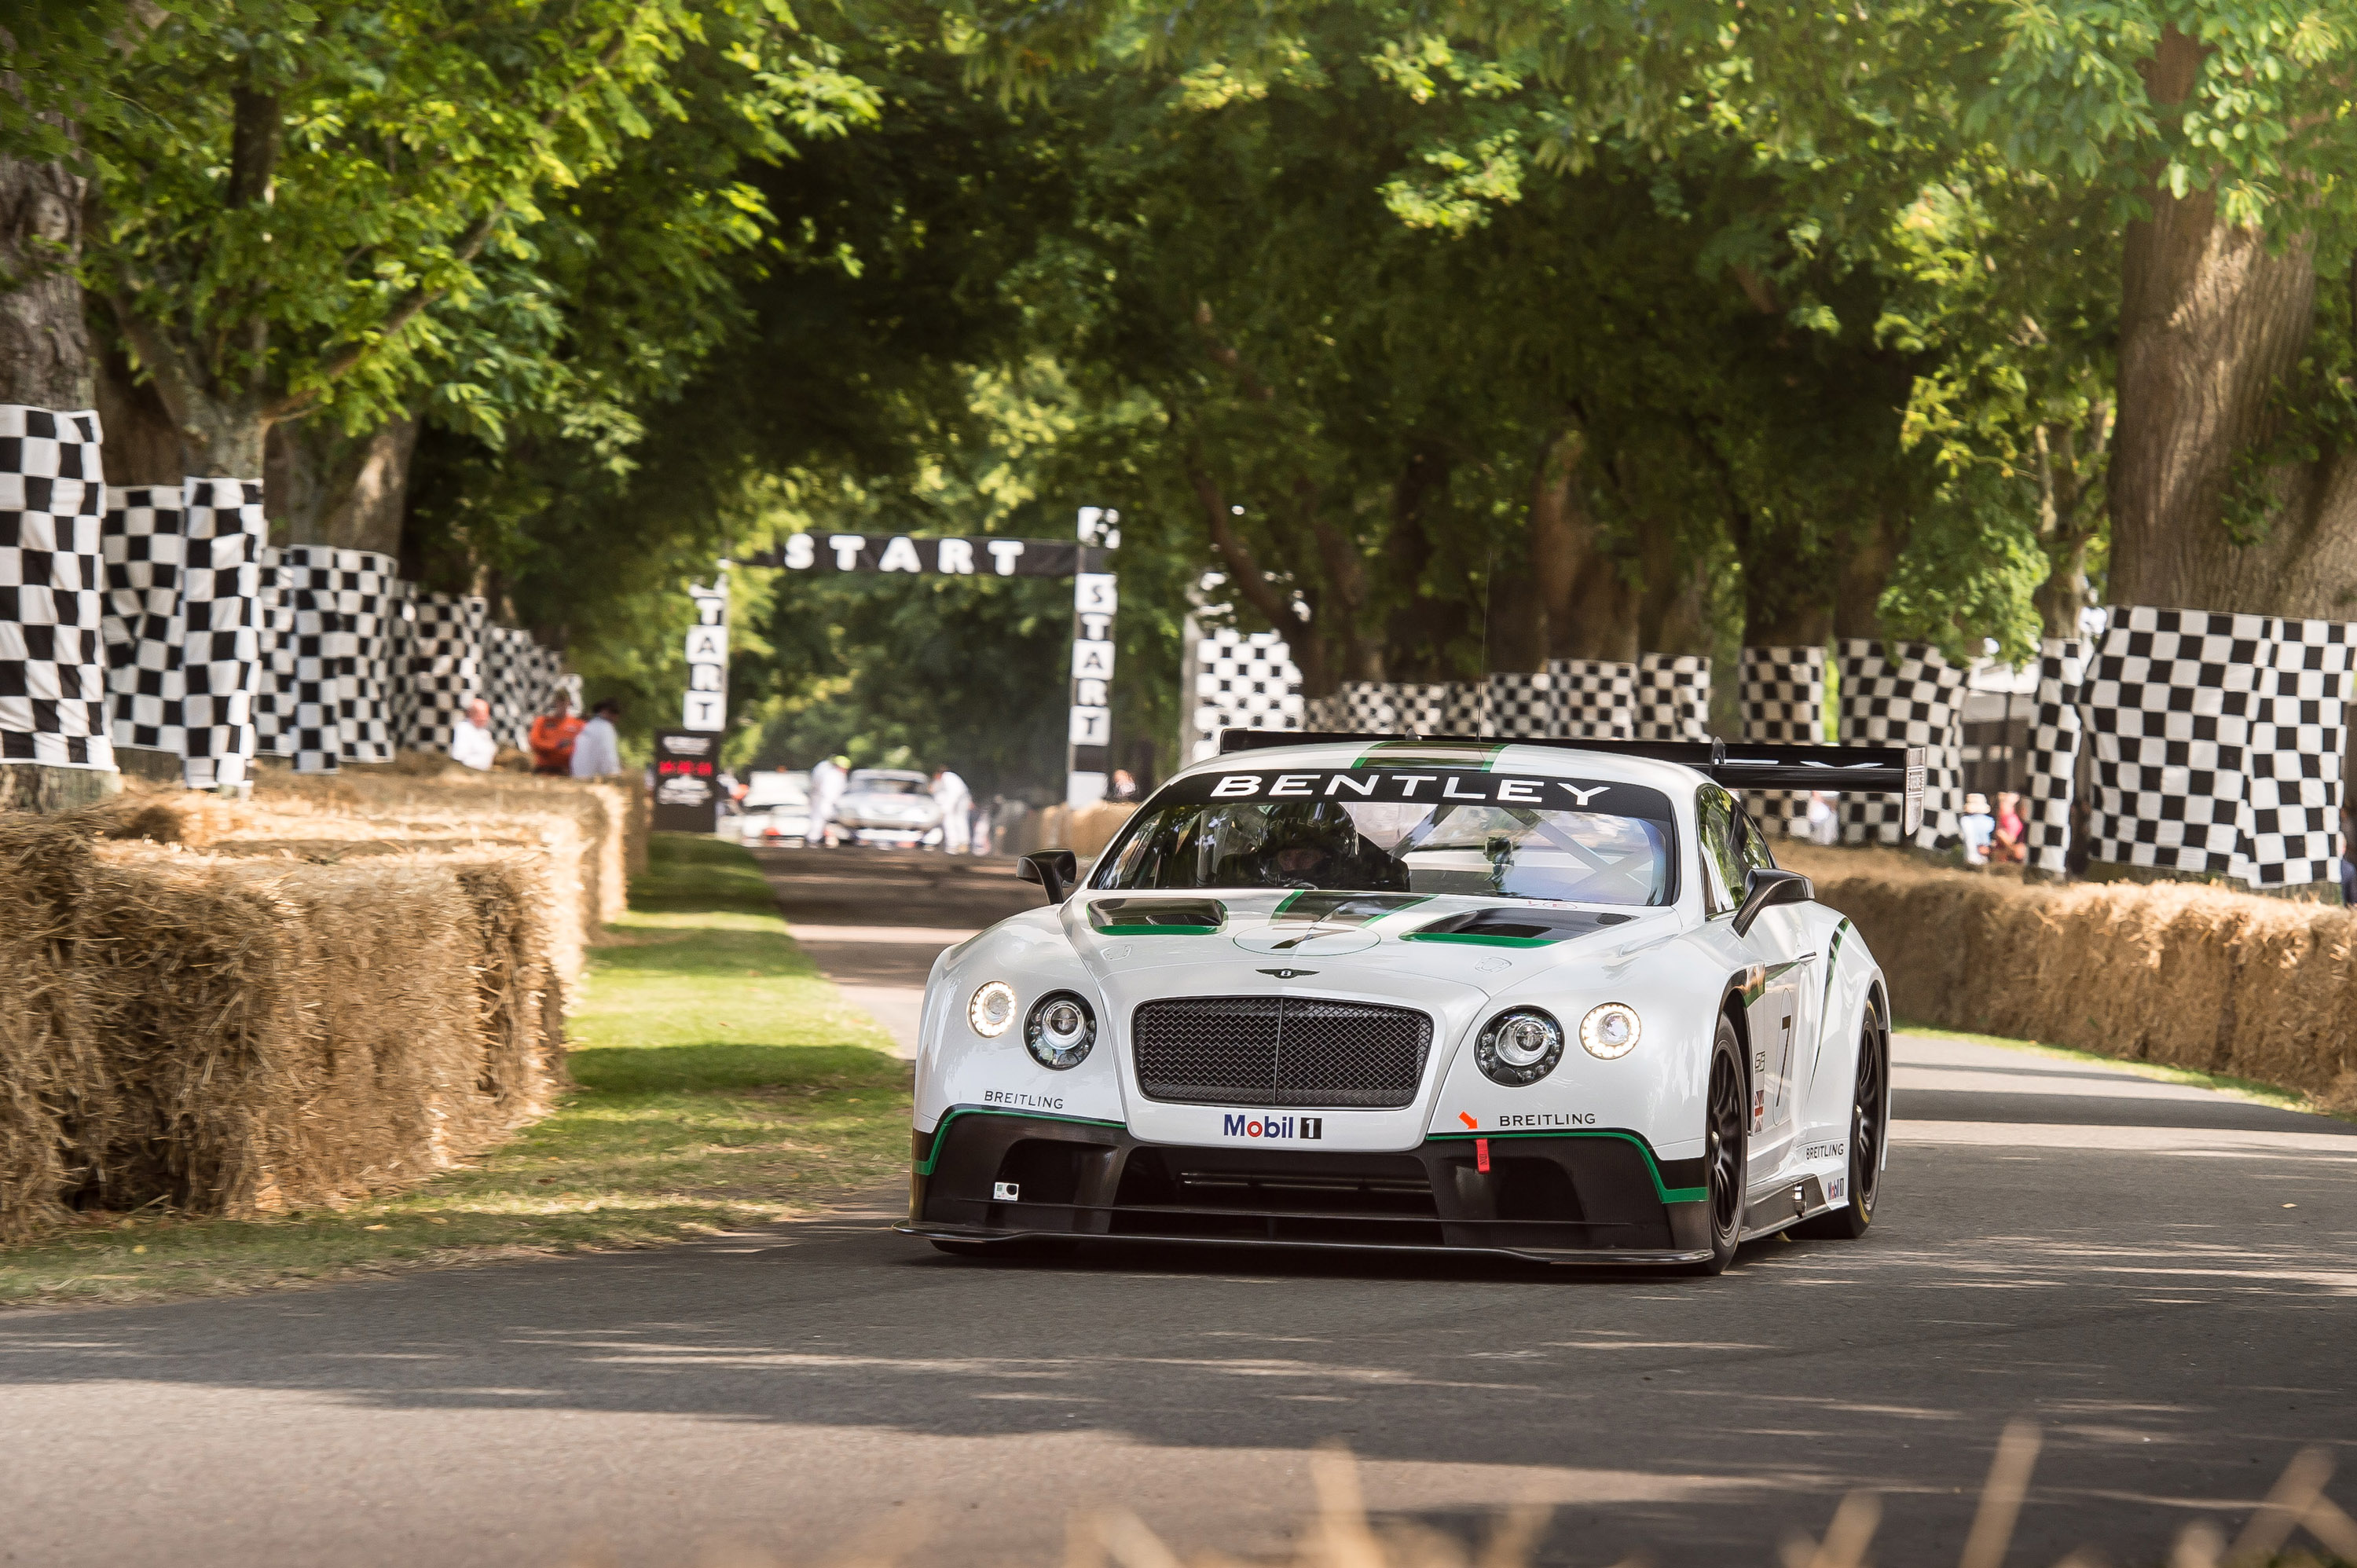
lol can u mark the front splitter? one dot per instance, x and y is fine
(1591, 1257)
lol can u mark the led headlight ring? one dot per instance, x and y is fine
(992, 1011)
(1061, 1028)
(1611, 1031)
(1519, 1046)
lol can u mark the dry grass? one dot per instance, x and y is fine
(2181, 975)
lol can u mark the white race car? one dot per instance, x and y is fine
(1547, 998)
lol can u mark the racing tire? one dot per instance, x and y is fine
(1727, 1147)
(1869, 1124)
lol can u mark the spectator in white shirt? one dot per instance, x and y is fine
(471, 741)
(598, 749)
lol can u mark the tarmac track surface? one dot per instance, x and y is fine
(2111, 1257)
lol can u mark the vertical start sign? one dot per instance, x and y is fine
(1089, 763)
(707, 704)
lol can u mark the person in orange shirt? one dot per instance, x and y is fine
(552, 737)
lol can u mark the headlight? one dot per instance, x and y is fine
(1520, 1046)
(991, 1009)
(1061, 1030)
(1611, 1030)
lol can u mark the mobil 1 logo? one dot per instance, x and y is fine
(1269, 1124)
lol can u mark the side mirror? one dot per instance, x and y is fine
(1764, 889)
(1053, 869)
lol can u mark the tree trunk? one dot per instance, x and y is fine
(1864, 573)
(143, 445)
(44, 341)
(1672, 610)
(1418, 636)
(2211, 318)
(326, 488)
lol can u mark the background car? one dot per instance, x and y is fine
(889, 806)
(775, 807)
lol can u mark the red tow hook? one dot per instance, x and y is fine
(1481, 1155)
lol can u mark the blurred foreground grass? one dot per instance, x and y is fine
(721, 1080)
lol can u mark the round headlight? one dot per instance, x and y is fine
(1518, 1047)
(991, 1009)
(1061, 1030)
(1611, 1030)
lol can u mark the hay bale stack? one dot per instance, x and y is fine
(2187, 975)
(600, 814)
(50, 1076)
(288, 1035)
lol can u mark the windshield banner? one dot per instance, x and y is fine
(1418, 785)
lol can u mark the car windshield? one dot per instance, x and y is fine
(886, 784)
(1421, 831)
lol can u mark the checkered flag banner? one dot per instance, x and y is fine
(1521, 706)
(1782, 694)
(507, 660)
(400, 650)
(2054, 751)
(316, 666)
(1322, 716)
(1364, 707)
(273, 682)
(447, 661)
(1465, 711)
(52, 590)
(142, 542)
(361, 582)
(1904, 693)
(1419, 707)
(1594, 699)
(220, 628)
(2217, 743)
(1672, 696)
(1243, 681)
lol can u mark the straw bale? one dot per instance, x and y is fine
(50, 1076)
(2188, 975)
(282, 1034)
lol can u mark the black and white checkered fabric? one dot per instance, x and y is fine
(274, 681)
(1595, 699)
(143, 541)
(1245, 681)
(220, 628)
(361, 582)
(507, 663)
(315, 663)
(52, 590)
(1465, 711)
(400, 649)
(446, 665)
(1323, 715)
(1419, 707)
(1904, 693)
(1782, 696)
(1673, 701)
(1364, 707)
(2168, 711)
(1519, 706)
(2054, 736)
(2298, 737)
(2217, 743)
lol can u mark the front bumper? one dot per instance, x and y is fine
(1586, 1198)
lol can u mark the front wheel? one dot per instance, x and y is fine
(1868, 1122)
(1727, 1145)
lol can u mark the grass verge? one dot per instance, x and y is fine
(2241, 1087)
(721, 1080)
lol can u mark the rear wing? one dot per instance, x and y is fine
(1736, 764)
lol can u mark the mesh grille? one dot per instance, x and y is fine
(1279, 1050)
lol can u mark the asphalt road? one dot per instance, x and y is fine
(2163, 1279)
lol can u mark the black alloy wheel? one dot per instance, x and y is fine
(1727, 1142)
(1869, 1113)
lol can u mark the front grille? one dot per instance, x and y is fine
(1279, 1050)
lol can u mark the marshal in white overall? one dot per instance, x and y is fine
(1551, 999)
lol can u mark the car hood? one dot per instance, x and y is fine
(1241, 939)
